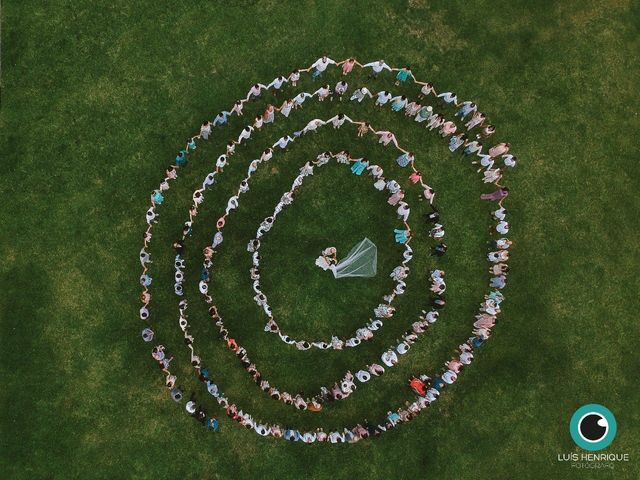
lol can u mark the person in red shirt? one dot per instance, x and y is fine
(418, 386)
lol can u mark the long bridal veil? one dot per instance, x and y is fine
(361, 261)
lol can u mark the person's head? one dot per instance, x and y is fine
(296, 71)
(403, 97)
(256, 86)
(380, 62)
(407, 68)
(230, 143)
(326, 87)
(507, 145)
(341, 116)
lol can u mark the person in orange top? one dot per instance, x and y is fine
(418, 386)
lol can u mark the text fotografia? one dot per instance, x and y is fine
(593, 460)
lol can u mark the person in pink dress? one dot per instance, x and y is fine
(448, 128)
(395, 198)
(499, 195)
(498, 149)
(454, 365)
(348, 64)
(386, 138)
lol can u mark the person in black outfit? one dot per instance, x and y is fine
(439, 250)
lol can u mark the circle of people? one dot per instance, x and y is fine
(427, 389)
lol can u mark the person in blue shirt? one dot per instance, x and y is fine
(157, 197)
(401, 235)
(405, 159)
(181, 159)
(437, 383)
(221, 118)
(145, 280)
(393, 417)
(403, 75)
(212, 424)
(359, 166)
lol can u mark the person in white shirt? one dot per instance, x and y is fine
(313, 125)
(360, 94)
(339, 120)
(277, 84)
(245, 134)
(237, 108)
(426, 89)
(509, 160)
(500, 213)
(322, 159)
(448, 97)
(221, 162)
(389, 358)
(320, 66)
(403, 211)
(209, 180)
(205, 130)
(286, 107)
(262, 430)
(255, 91)
(266, 155)
(322, 93)
(283, 142)
(294, 77)
(485, 162)
(449, 377)
(502, 227)
(309, 437)
(382, 98)
(340, 89)
(232, 204)
(376, 68)
(299, 99)
(151, 216)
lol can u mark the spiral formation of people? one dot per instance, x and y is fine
(430, 110)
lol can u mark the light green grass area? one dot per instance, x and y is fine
(97, 97)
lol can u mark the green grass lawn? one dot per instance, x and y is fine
(97, 99)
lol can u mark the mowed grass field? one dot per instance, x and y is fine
(98, 98)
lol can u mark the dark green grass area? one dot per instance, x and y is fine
(97, 99)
